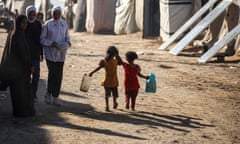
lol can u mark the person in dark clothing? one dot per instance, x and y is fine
(33, 32)
(18, 50)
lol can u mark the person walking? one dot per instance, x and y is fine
(55, 40)
(131, 84)
(110, 82)
(33, 32)
(18, 78)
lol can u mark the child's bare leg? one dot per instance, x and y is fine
(115, 104)
(107, 94)
(115, 96)
(107, 105)
(127, 100)
(133, 99)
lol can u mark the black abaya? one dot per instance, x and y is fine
(22, 100)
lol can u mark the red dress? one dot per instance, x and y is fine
(130, 77)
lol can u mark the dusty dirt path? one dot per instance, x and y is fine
(194, 103)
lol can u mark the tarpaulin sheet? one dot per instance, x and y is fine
(125, 17)
(100, 15)
(174, 13)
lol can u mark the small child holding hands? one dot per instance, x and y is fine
(131, 71)
(110, 82)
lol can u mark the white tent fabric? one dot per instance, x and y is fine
(125, 17)
(174, 13)
(139, 10)
(10, 5)
(100, 15)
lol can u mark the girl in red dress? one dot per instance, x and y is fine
(131, 71)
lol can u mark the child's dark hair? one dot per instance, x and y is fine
(40, 14)
(131, 55)
(112, 51)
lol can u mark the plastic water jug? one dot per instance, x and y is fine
(151, 84)
(86, 82)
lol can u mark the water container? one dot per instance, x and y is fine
(151, 84)
(86, 82)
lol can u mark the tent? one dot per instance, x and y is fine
(174, 13)
(79, 10)
(202, 25)
(100, 15)
(125, 17)
(135, 15)
(139, 10)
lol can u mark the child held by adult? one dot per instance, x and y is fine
(110, 82)
(131, 84)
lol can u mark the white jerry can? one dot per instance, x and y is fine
(86, 82)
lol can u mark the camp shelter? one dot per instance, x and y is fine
(151, 18)
(217, 10)
(80, 17)
(174, 13)
(147, 15)
(137, 15)
(139, 10)
(100, 16)
(125, 17)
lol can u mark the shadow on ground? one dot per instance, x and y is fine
(31, 130)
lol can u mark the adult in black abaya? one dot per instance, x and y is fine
(22, 101)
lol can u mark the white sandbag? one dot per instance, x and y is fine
(100, 15)
(173, 15)
(125, 17)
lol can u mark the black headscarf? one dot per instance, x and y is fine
(16, 52)
(17, 27)
(19, 20)
(16, 44)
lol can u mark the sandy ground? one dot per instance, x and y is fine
(194, 104)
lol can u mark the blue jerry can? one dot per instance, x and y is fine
(151, 84)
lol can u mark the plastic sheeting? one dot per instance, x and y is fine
(125, 17)
(100, 15)
(139, 10)
(147, 15)
(174, 13)
(80, 16)
(151, 22)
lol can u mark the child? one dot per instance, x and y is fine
(131, 83)
(40, 17)
(110, 82)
